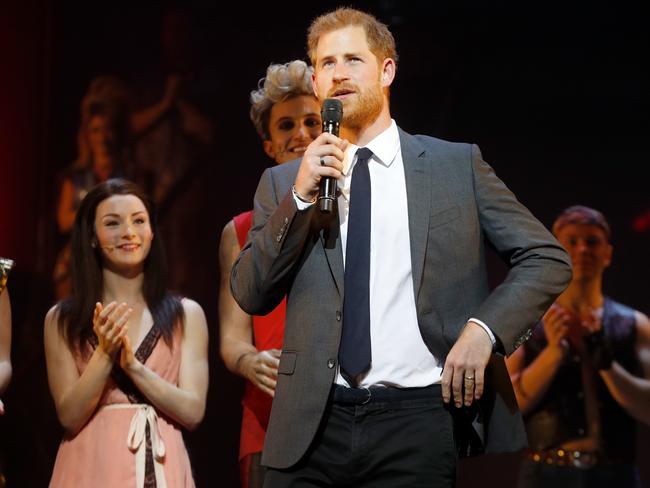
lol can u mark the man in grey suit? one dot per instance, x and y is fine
(392, 364)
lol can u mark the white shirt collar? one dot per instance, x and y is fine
(384, 148)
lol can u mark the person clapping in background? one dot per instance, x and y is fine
(126, 359)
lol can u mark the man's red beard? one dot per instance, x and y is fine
(363, 108)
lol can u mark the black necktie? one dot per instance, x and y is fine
(354, 352)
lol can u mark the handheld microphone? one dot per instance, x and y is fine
(331, 113)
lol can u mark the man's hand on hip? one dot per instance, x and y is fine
(463, 372)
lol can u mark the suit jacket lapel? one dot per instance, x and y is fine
(417, 169)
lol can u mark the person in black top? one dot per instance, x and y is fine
(583, 380)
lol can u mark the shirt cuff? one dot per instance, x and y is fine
(486, 329)
(300, 203)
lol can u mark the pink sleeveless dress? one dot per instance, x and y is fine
(127, 443)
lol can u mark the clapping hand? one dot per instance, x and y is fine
(110, 324)
(127, 358)
(556, 328)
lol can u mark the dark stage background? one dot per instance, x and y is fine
(552, 93)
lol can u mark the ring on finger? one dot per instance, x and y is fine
(322, 161)
(469, 378)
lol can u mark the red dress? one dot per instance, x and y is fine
(267, 334)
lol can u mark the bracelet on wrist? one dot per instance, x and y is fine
(300, 197)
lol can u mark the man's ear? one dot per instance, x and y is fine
(608, 258)
(314, 85)
(388, 69)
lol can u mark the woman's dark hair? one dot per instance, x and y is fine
(76, 313)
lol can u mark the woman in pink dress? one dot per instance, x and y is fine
(126, 359)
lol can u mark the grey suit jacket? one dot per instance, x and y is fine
(456, 206)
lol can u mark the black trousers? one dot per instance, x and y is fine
(398, 438)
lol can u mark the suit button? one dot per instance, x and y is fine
(338, 316)
(331, 363)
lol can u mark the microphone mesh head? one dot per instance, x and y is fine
(332, 110)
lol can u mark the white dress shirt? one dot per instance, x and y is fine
(399, 355)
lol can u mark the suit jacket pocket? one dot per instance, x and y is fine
(287, 362)
(444, 216)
